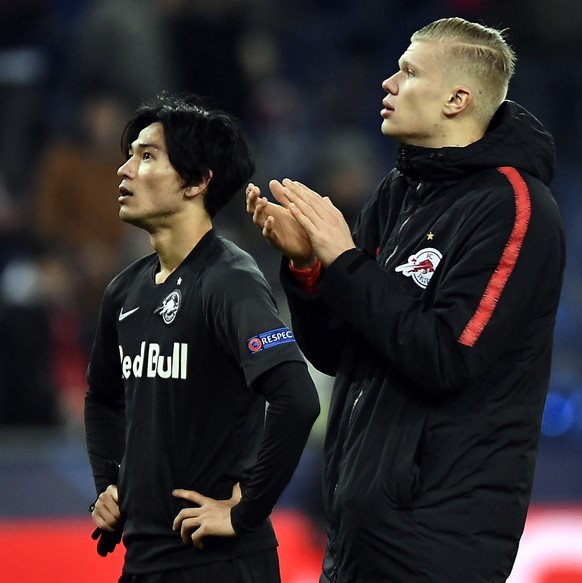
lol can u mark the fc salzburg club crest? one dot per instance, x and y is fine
(170, 306)
(421, 266)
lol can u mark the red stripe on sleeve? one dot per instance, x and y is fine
(507, 262)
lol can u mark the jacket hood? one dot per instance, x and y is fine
(515, 138)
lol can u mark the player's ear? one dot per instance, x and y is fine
(200, 188)
(459, 100)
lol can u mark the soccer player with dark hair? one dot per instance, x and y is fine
(199, 402)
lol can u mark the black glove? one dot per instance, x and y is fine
(106, 541)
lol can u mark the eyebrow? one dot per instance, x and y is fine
(405, 63)
(144, 146)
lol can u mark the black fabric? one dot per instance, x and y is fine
(106, 541)
(175, 396)
(438, 328)
(258, 568)
(293, 406)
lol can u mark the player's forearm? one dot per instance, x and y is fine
(105, 438)
(293, 408)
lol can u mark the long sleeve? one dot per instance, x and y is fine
(317, 329)
(104, 435)
(104, 403)
(481, 297)
(293, 407)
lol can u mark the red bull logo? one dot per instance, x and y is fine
(170, 306)
(151, 363)
(421, 266)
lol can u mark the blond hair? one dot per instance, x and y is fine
(483, 59)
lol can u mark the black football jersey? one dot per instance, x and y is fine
(182, 355)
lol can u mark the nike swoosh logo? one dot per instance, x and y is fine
(123, 315)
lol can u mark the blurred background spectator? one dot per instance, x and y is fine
(74, 205)
(74, 209)
(27, 390)
(305, 80)
(120, 47)
(25, 74)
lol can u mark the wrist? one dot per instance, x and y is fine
(308, 277)
(303, 264)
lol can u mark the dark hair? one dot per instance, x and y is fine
(198, 139)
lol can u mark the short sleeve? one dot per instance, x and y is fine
(243, 316)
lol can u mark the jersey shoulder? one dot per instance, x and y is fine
(230, 266)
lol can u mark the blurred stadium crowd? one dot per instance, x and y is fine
(304, 79)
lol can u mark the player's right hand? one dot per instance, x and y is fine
(277, 224)
(106, 514)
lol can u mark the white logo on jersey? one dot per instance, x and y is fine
(170, 306)
(123, 315)
(174, 366)
(421, 266)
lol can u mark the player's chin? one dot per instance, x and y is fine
(395, 133)
(387, 128)
(127, 216)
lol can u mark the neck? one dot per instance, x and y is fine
(451, 133)
(460, 135)
(174, 244)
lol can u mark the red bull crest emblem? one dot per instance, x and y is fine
(170, 306)
(421, 266)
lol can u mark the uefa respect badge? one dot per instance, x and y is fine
(270, 339)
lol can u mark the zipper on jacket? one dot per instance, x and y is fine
(354, 404)
(397, 240)
(404, 223)
(350, 420)
(349, 425)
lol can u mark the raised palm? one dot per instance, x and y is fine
(278, 225)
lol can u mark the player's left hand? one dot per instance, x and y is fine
(209, 518)
(328, 231)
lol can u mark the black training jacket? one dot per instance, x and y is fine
(438, 328)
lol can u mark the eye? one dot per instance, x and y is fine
(409, 72)
(146, 156)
